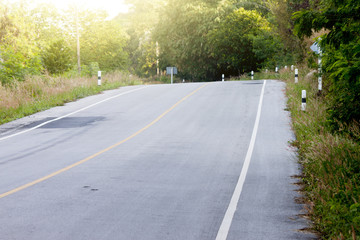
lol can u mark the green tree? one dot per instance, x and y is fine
(48, 23)
(292, 48)
(139, 24)
(15, 65)
(233, 42)
(341, 54)
(260, 6)
(269, 50)
(18, 53)
(57, 57)
(102, 41)
(182, 36)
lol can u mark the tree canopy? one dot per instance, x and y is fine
(340, 45)
(202, 38)
(234, 37)
(39, 39)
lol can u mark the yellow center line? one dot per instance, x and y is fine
(102, 151)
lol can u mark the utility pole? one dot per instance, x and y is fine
(78, 39)
(157, 59)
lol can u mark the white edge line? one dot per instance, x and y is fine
(69, 114)
(229, 215)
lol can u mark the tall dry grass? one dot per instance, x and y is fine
(38, 93)
(331, 161)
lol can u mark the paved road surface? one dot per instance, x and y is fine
(154, 162)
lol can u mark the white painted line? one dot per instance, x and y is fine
(69, 114)
(25, 186)
(229, 215)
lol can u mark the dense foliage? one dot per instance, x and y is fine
(236, 36)
(57, 57)
(332, 160)
(202, 38)
(331, 163)
(42, 39)
(18, 55)
(182, 36)
(341, 54)
(207, 38)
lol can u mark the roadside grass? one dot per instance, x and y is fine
(263, 75)
(331, 161)
(38, 93)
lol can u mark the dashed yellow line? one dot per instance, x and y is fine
(102, 151)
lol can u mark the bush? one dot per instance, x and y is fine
(16, 65)
(331, 162)
(340, 45)
(57, 57)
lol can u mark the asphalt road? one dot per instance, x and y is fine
(154, 162)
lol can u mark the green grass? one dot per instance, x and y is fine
(331, 162)
(283, 74)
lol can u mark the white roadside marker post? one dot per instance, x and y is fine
(223, 77)
(252, 75)
(320, 76)
(99, 78)
(276, 69)
(303, 100)
(320, 84)
(296, 75)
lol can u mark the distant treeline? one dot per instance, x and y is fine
(207, 38)
(43, 40)
(202, 38)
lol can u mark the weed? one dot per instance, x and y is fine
(38, 93)
(331, 161)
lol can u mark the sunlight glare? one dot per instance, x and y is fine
(113, 7)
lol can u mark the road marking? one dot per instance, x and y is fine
(229, 215)
(69, 114)
(102, 151)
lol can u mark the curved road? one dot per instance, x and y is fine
(183, 161)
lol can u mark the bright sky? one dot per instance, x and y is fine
(113, 7)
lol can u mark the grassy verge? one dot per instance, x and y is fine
(38, 93)
(331, 161)
(282, 74)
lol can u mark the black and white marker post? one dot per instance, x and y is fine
(223, 77)
(320, 76)
(296, 75)
(99, 78)
(303, 100)
(252, 75)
